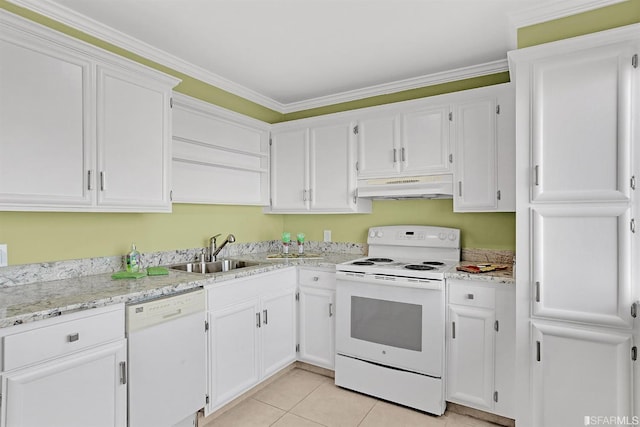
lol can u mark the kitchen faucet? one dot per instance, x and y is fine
(214, 250)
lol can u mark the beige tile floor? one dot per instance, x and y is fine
(304, 399)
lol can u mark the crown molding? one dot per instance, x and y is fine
(401, 85)
(549, 11)
(103, 32)
(96, 29)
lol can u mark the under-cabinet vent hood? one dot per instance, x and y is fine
(417, 187)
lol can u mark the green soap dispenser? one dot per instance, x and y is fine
(133, 260)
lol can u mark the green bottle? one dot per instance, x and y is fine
(133, 260)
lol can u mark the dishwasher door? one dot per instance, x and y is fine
(166, 354)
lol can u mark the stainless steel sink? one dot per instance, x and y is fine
(214, 266)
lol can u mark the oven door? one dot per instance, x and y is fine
(396, 322)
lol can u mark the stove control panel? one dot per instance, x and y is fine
(414, 235)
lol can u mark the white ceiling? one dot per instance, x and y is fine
(291, 54)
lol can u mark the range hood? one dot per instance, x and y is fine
(417, 187)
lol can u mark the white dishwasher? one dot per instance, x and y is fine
(166, 354)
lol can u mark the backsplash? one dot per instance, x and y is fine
(47, 271)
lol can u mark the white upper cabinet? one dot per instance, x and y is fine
(81, 129)
(45, 123)
(219, 156)
(581, 125)
(484, 150)
(415, 142)
(313, 168)
(289, 170)
(425, 141)
(133, 130)
(378, 146)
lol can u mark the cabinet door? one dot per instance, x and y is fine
(233, 352)
(425, 141)
(505, 351)
(581, 264)
(579, 373)
(470, 367)
(278, 331)
(378, 147)
(475, 156)
(133, 130)
(289, 170)
(581, 124)
(79, 390)
(317, 326)
(45, 126)
(332, 168)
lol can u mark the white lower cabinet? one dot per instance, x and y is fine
(480, 346)
(69, 371)
(596, 361)
(317, 322)
(252, 332)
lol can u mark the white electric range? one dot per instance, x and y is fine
(390, 315)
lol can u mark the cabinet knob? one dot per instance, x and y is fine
(470, 296)
(73, 337)
(316, 278)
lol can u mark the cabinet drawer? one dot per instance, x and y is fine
(317, 278)
(473, 296)
(62, 338)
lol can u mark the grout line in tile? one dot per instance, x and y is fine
(368, 412)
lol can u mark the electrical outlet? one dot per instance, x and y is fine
(4, 255)
(327, 235)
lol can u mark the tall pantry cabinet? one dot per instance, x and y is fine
(577, 137)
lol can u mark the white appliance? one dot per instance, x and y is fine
(390, 316)
(167, 360)
(422, 186)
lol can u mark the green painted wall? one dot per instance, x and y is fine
(46, 236)
(479, 230)
(617, 15)
(38, 237)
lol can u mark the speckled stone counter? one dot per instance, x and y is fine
(497, 276)
(41, 300)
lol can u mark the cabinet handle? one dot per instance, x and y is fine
(536, 172)
(470, 296)
(304, 195)
(73, 337)
(257, 320)
(459, 188)
(537, 291)
(102, 181)
(123, 373)
(264, 314)
(330, 309)
(402, 154)
(355, 196)
(395, 155)
(453, 330)
(89, 179)
(311, 194)
(499, 195)
(538, 351)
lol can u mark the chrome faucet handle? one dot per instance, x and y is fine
(213, 238)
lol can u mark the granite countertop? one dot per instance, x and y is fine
(43, 300)
(496, 276)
